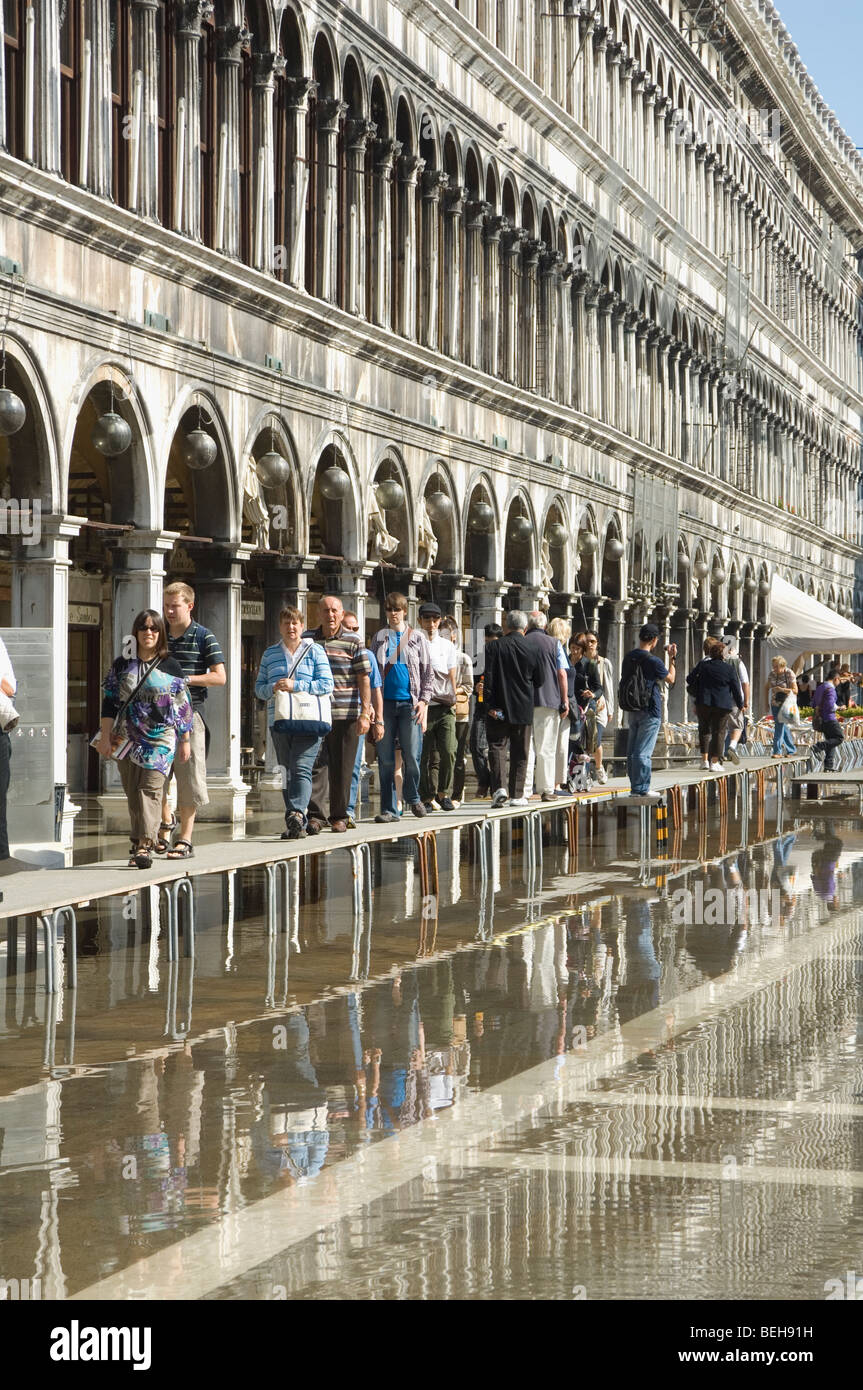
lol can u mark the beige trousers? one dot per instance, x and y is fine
(143, 788)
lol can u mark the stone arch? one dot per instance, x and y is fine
(325, 64)
(130, 477)
(354, 84)
(482, 549)
(520, 557)
(288, 528)
(340, 521)
(381, 106)
(210, 510)
(293, 39)
(586, 560)
(37, 438)
(406, 124)
(613, 568)
(389, 462)
(453, 161)
(437, 476)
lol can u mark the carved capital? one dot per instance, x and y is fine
(454, 197)
(494, 227)
(410, 166)
(328, 114)
(266, 67)
(385, 152)
(434, 181)
(297, 92)
(357, 132)
(232, 39)
(191, 15)
(476, 212)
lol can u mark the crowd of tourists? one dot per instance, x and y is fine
(531, 709)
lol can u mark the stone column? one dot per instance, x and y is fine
(663, 394)
(329, 115)
(510, 249)
(579, 341)
(485, 597)
(218, 606)
(410, 166)
(532, 251)
(385, 151)
(434, 182)
(592, 362)
(563, 389)
(40, 598)
(97, 170)
(451, 255)
(475, 215)
(232, 40)
(618, 396)
(550, 265)
(615, 649)
(187, 193)
(266, 68)
(295, 174)
(491, 297)
(42, 144)
(353, 587)
(357, 133)
(607, 300)
(145, 198)
(630, 350)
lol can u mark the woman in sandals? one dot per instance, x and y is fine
(149, 693)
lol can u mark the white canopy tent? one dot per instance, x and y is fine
(801, 624)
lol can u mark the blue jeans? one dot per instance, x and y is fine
(399, 722)
(355, 777)
(782, 740)
(643, 733)
(296, 753)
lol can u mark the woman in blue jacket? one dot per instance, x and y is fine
(714, 687)
(296, 752)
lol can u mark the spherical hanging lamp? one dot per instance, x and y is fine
(750, 584)
(198, 450)
(439, 505)
(273, 468)
(764, 587)
(736, 581)
(699, 569)
(587, 543)
(481, 516)
(556, 534)
(520, 528)
(683, 560)
(13, 412)
(718, 575)
(111, 434)
(334, 483)
(390, 495)
(614, 548)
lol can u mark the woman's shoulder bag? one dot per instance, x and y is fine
(298, 712)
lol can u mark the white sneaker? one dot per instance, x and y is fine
(456, 805)
(716, 767)
(601, 774)
(519, 801)
(499, 799)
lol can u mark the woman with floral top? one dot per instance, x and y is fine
(156, 717)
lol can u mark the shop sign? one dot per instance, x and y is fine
(252, 610)
(85, 615)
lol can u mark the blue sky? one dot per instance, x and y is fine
(829, 37)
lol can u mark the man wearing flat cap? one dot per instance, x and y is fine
(440, 734)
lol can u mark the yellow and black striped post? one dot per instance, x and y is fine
(661, 839)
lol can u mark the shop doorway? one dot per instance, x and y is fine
(83, 709)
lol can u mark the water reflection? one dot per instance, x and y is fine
(249, 1072)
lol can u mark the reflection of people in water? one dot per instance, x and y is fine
(714, 943)
(783, 877)
(639, 992)
(291, 1138)
(825, 860)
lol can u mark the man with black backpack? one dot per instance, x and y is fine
(639, 694)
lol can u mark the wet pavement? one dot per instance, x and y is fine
(566, 1073)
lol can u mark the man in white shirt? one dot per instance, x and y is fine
(737, 718)
(8, 685)
(440, 734)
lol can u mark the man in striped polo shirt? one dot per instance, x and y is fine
(352, 708)
(200, 659)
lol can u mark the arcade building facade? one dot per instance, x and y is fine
(499, 302)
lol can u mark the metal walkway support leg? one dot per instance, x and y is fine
(278, 871)
(50, 922)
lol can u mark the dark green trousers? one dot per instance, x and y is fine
(439, 738)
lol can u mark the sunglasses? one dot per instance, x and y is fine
(148, 627)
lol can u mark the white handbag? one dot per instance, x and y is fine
(300, 712)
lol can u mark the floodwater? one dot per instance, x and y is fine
(551, 1074)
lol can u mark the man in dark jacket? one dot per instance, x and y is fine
(824, 708)
(512, 673)
(550, 706)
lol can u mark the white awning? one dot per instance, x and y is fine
(802, 624)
